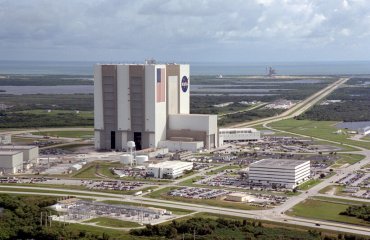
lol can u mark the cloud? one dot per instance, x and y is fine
(196, 29)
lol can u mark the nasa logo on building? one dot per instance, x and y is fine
(184, 84)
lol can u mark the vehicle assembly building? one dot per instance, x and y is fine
(282, 172)
(238, 134)
(148, 104)
(168, 169)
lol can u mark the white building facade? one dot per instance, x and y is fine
(11, 162)
(135, 102)
(238, 134)
(281, 172)
(168, 169)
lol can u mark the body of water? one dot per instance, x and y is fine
(196, 68)
(353, 125)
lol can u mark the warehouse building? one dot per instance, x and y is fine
(279, 172)
(150, 105)
(30, 153)
(238, 134)
(11, 162)
(168, 169)
(239, 197)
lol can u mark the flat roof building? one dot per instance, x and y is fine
(168, 169)
(238, 134)
(11, 162)
(30, 153)
(147, 103)
(280, 172)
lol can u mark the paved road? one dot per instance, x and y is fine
(298, 108)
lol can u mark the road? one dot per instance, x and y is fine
(298, 108)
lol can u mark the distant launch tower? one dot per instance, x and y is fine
(270, 71)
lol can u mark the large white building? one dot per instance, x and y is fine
(148, 104)
(30, 153)
(238, 134)
(168, 169)
(282, 172)
(11, 162)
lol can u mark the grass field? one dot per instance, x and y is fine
(228, 167)
(309, 184)
(111, 222)
(67, 134)
(320, 129)
(367, 138)
(325, 210)
(113, 233)
(348, 158)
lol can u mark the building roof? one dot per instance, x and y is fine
(170, 164)
(278, 163)
(238, 129)
(238, 194)
(9, 153)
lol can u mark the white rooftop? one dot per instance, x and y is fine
(279, 163)
(170, 164)
(9, 153)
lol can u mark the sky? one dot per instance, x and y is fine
(185, 30)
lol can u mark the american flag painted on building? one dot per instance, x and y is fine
(161, 85)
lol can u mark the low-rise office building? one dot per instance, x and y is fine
(11, 162)
(168, 169)
(280, 172)
(238, 134)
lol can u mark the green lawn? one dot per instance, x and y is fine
(112, 222)
(88, 171)
(349, 158)
(337, 189)
(323, 210)
(320, 129)
(113, 233)
(309, 184)
(228, 167)
(367, 138)
(190, 181)
(67, 134)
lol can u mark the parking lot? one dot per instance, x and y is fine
(220, 194)
(89, 184)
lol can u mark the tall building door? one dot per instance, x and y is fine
(113, 140)
(137, 140)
